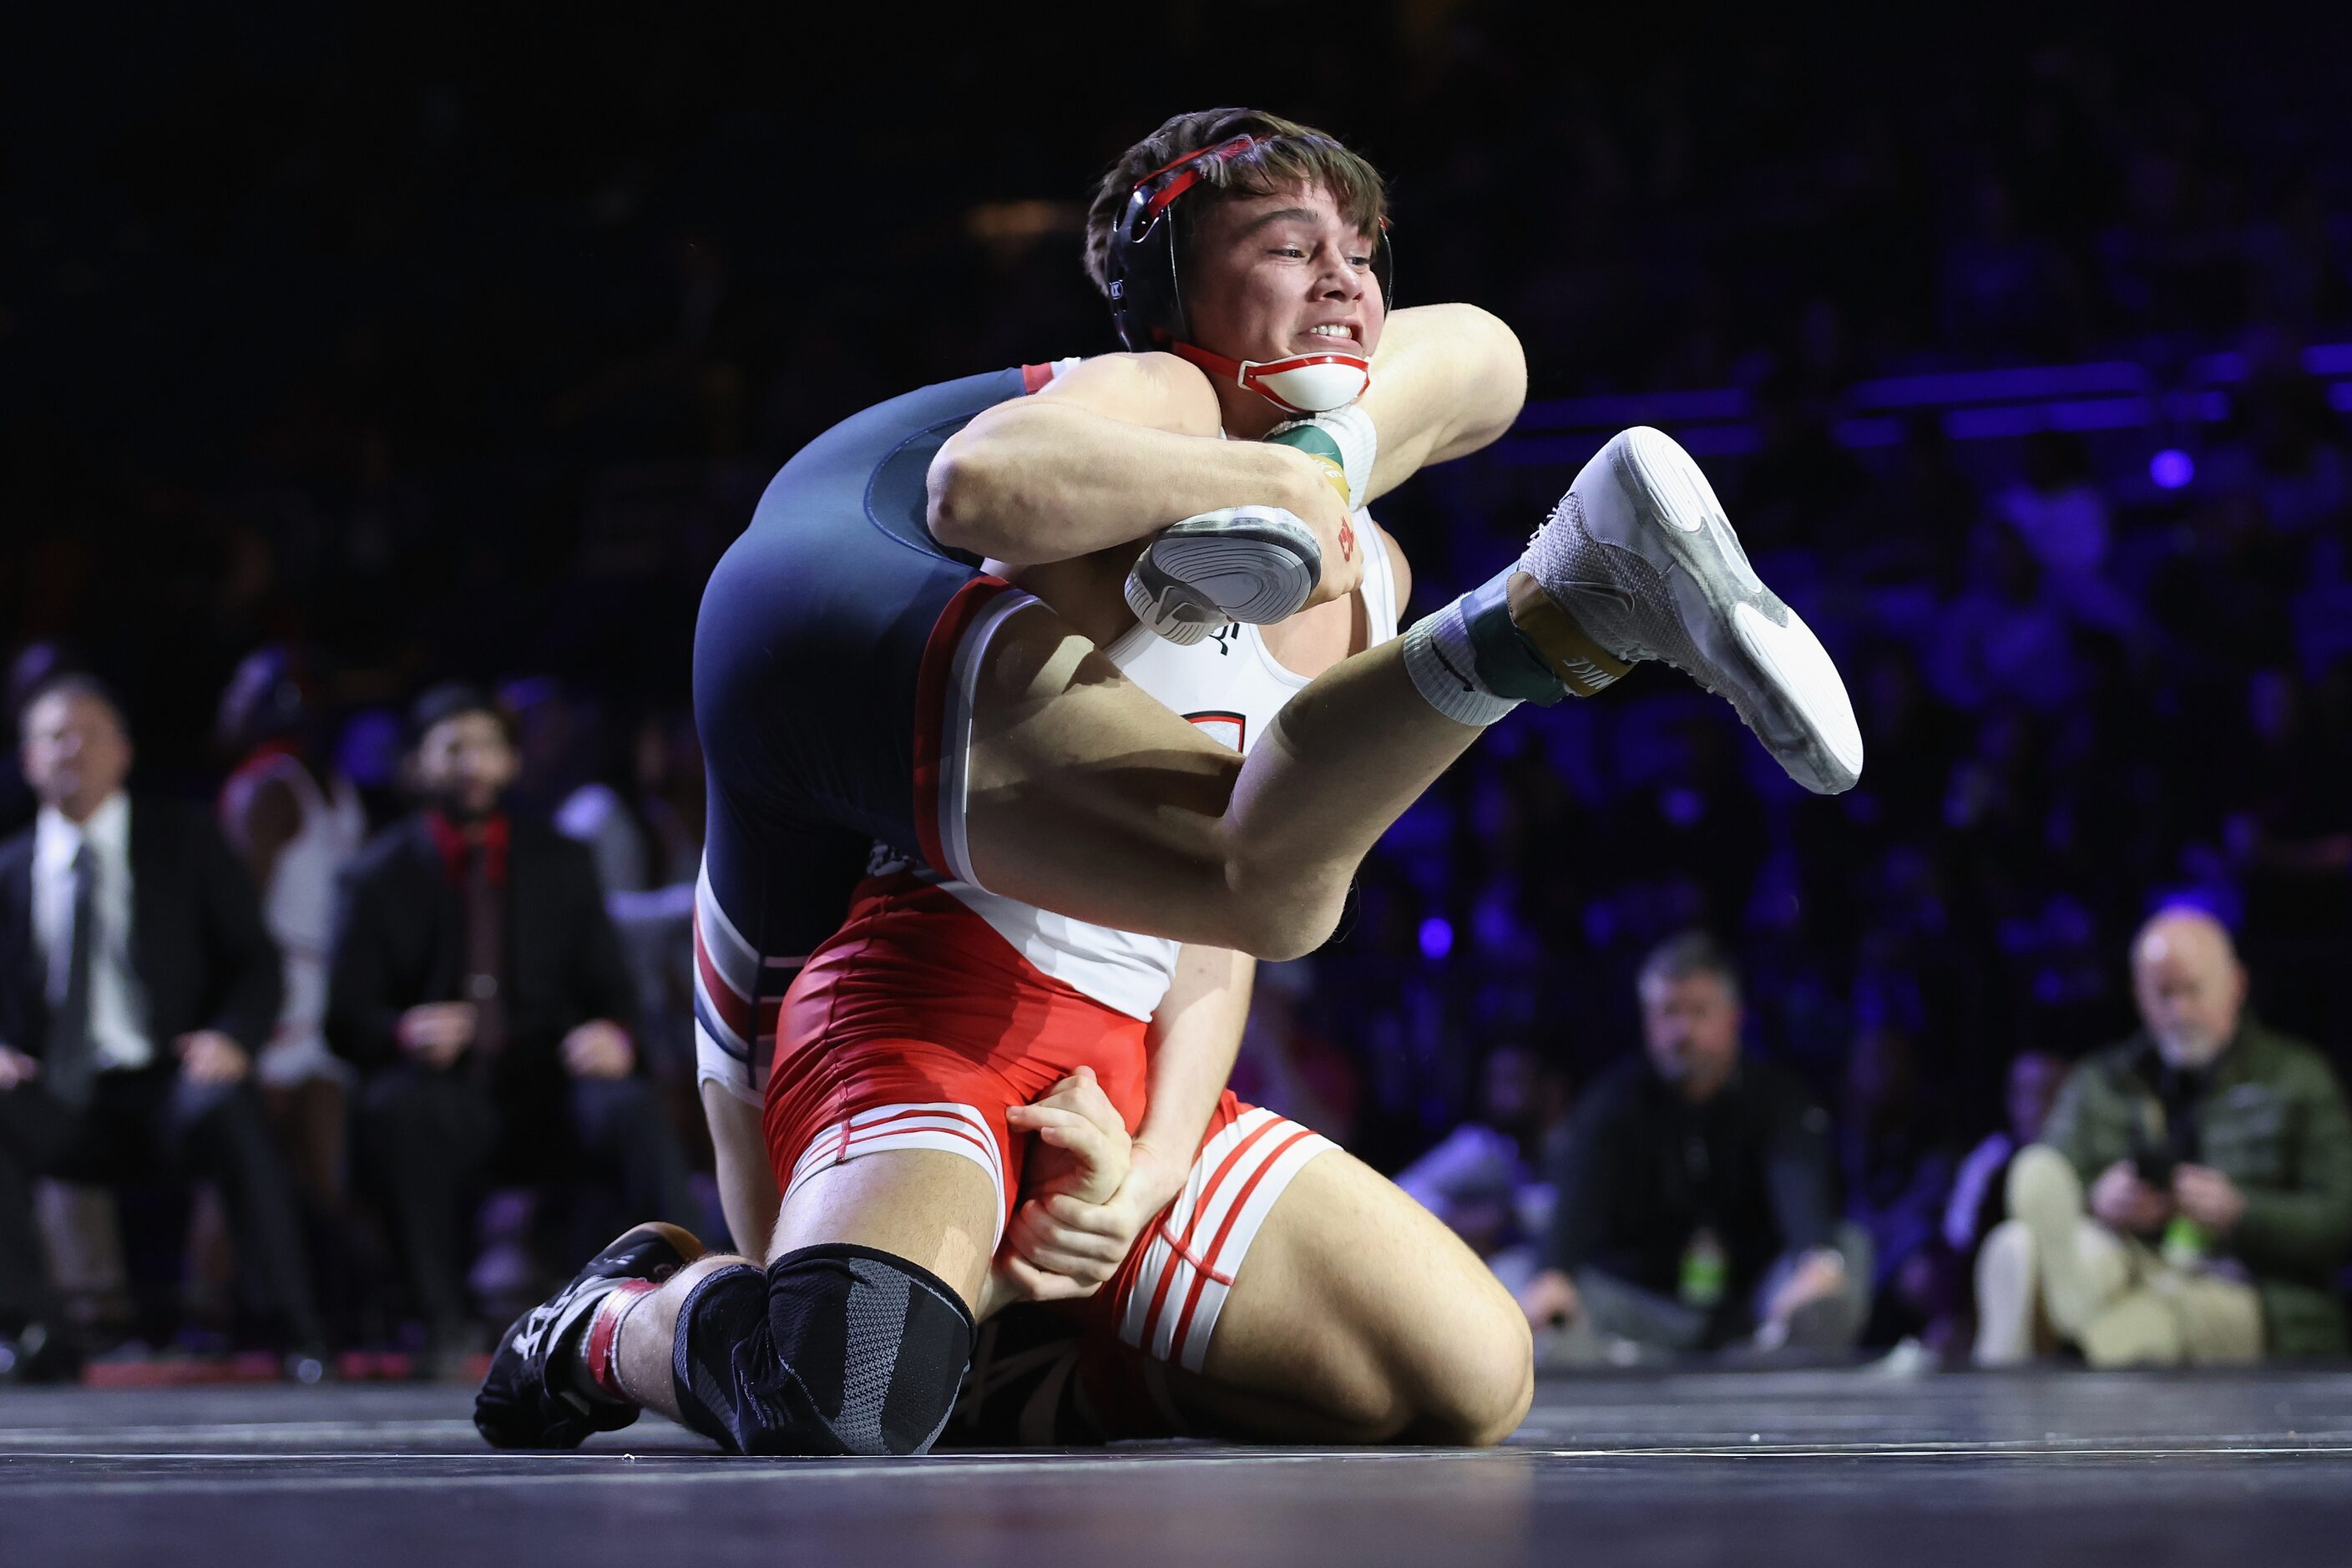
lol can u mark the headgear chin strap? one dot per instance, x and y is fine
(1303, 383)
(1147, 305)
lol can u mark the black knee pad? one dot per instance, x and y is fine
(839, 1350)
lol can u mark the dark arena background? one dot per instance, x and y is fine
(433, 342)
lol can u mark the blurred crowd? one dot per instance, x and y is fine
(409, 368)
(274, 1079)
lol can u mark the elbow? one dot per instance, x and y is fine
(958, 504)
(1277, 926)
(974, 492)
(1505, 371)
(1485, 373)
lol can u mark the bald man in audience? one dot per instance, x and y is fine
(2190, 1199)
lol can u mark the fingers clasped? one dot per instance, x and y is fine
(1069, 1236)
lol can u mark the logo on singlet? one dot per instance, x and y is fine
(1226, 729)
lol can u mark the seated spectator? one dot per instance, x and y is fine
(1695, 1206)
(1482, 1178)
(137, 984)
(2191, 1200)
(297, 823)
(478, 986)
(1979, 1199)
(1897, 1174)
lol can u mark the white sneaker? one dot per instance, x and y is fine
(1253, 564)
(1641, 556)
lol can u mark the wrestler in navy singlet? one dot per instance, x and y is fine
(832, 659)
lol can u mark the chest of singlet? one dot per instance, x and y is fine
(1230, 687)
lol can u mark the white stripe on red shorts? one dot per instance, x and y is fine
(951, 1127)
(1190, 1255)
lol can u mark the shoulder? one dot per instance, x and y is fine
(1619, 1084)
(159, 824)
(1779, 1092)
(2289, 1061)
(535, 840)
(537, 835)
(2105, 1081)
(1155, 389)
(2109, 1066)
(16, 850)
(265, 785)
(389, 852)
(1771, 1080)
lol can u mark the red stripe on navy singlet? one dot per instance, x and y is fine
(934, 679)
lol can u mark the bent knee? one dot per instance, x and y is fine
(2008, 1242)
(1477, 1393)
(832, 1350)
(1275, 924)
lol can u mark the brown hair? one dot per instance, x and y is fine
(1287, 154)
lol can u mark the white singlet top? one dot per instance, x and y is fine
(1230, 686)
(299, 908)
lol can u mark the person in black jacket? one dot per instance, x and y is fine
(1696, 1204)
(136, 985)
(478, 986)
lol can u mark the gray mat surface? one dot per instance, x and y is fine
(1818, 1468)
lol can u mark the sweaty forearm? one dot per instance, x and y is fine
(1043, 480)
(1448, 380)
(1191, 1044)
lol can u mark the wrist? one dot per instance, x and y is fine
(1152, 1179)
(1285, 476)
(1345, 439)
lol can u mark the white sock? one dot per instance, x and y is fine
(1445, 670)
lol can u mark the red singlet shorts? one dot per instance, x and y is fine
(917, 1025)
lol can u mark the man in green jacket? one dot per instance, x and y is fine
(2217, 1161)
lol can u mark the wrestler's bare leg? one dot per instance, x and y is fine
(1357, 1317)
(747, 1187)
(1085, 797)
(936, 1210)
(1090, 798)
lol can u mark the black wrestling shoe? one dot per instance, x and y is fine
(527, 1401)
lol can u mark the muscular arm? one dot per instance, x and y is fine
(1192, 1042)
(1448, 380)
(1125, 445)
(1062, 1245)
(1117, 448)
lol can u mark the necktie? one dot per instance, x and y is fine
(485, 952)
(68, 1064)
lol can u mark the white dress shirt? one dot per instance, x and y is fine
(118, 1025)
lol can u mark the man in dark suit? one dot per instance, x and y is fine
(1696, 1196)
(478, 984)
(136, 983)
